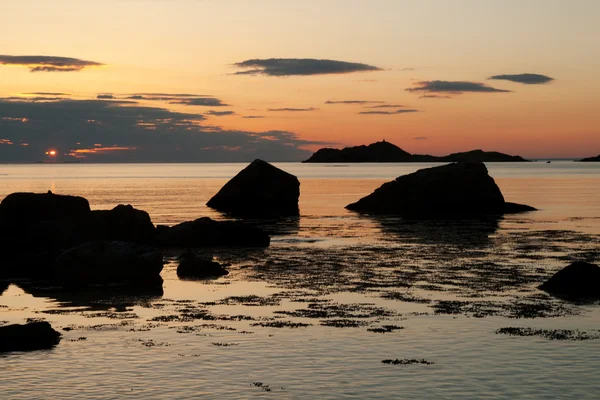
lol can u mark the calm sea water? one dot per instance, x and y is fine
(303, 319)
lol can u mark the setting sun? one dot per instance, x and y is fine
(51, 152)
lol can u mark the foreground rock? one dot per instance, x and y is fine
(32, 336)
(109, 262)
(453, 190)
(591, 159)
(578, 280)
(19, 210)
(122, 223)
(205, 232)
(387, 152)
(259, 190)
(192, 266)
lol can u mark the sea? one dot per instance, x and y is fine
(340, 306)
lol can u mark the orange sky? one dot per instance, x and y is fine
(190, 47)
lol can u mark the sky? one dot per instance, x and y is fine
(234, 80)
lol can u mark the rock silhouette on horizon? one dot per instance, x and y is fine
(259, 190)
(387, 152)
(591, 159)
(579, 280)
(462, 189)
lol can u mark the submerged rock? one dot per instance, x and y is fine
(458, 189)
(205, 232)
(259, 190)
(192, 266)
(109, 262)
(579, 280)
(31, 336)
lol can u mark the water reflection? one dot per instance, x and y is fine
(462, 232)
(105, 297)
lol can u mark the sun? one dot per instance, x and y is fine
(51, 153)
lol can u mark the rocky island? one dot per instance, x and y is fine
(591, 159)
(387, 152)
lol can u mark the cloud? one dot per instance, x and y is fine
(300, 66)
(199, 101)
(33, 99)
(106, 96)
(293, 109)
(527, 79)
(353, 102)
(434, 96)
(220, 113)
(47, 94)
(388, 112)
(388, 106)
(453, 87)
(420, 138)
(253, 116)
(48, 63)
(110, 131)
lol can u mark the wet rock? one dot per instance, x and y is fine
(122, 223)
(578, 280)
(453, 190)
(259, 190)
(109, 262)
(32, 336)
(205, 232)
(192, 266)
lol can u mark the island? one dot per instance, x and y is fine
(591, 159)
(383, 151)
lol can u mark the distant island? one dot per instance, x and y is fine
(595, 159)
(387, 152)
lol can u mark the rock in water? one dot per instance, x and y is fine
(579, 280)
(23, 209)
(32, 336)
(205, 232)
(122, 223)
(453, 190)
(109, 262)
(259, 190)
(192, 266)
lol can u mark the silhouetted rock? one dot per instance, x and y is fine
(260, 189)
(458, 189)
(387, 152)
(108, 262)
(481, 156)
(3, 287)
(192, 266)
(32, 336)
(207, 232)
(578, 280)
(122, 223)
(591, 159)
(23, 209)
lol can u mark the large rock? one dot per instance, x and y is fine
(205, 232)
(259, 190)
(109, 262)
(577, 280)
(122, 223)
(32, 336)
(24, 209)
(192, 266)
(458, 189)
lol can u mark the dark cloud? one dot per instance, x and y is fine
(220, 113)
(47, 94)
(254, 116)
(434, 96)
(105, 96)
(420, 138)
(388, 106)
(136, 97)
(388, 112)
(300, 66)
(293, 109)
(33, 99)
(528, 79)
(131, 133)
(48, 63)
(168, 95)
(199, 101)
(453, 87)
(353, 102)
